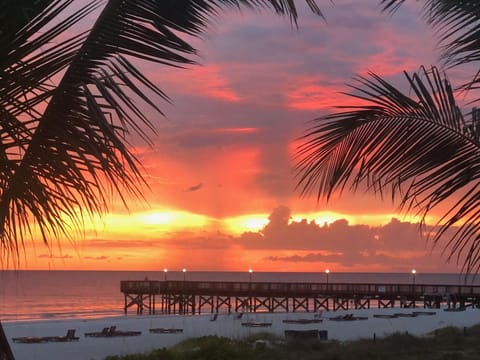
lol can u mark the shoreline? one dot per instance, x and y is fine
(138, 334)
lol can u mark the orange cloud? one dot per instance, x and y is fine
(209, 80)
(281, 244)
(312, 97)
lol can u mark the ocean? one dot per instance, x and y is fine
(36, 295)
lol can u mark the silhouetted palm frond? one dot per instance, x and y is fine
(419, 147)
(457, 23)
(69, 102)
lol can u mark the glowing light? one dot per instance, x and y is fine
(320, 218)
(171, 218)
(157, 218)
(241, 224)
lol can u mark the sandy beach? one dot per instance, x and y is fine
(42, 340)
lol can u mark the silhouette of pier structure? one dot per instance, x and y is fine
(200, 297)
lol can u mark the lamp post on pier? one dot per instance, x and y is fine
(250, 300)
(165, 274)
(184, 274)
(327, 272)
(414, 273)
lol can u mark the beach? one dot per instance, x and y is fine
(46, 339)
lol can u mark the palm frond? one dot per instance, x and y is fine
(68, 145)
(457, 23)
(420, 148)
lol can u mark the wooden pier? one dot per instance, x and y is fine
(197, 297)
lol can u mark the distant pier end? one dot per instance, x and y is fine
(197, 297)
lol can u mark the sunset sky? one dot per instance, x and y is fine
(222, 188)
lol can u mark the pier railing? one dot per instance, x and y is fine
(286, 289)
(195, 296)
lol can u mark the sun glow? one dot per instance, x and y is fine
(320, 218)
(240, 224)
(157, 218)
(174, 219)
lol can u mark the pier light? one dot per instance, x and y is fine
(165, 273)
(414, 273)
(184, 273)
(327, 272)
(250, 271)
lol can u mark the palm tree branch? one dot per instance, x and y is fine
(458, 25)
(421, 144)
(78, 144)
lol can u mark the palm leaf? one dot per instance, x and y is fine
(65, 148)
(457, 23)
(421, 148)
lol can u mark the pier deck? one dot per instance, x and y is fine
(196, 297)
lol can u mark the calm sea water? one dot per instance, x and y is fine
(34, 295)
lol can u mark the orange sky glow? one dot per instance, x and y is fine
(222, 190)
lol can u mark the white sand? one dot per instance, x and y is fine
(225, 325)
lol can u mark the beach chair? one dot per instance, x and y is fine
(318, 315)
(103, 333)
(239, 316)
(30, 340)
(112, 331)
(166, 330)
(70, 336)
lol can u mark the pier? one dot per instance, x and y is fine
(200, 297)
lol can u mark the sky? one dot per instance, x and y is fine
(222, 191)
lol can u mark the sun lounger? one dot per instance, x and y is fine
(239, 316)
(30, 340)
(405, 315)
(112, 332)
(462, 308)
(126, 333)
(166, 330)
(302, 321)
(70, 336)
(103, 333)
(256, 324)
(348, 317)
(425, 312)
(384, 316)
